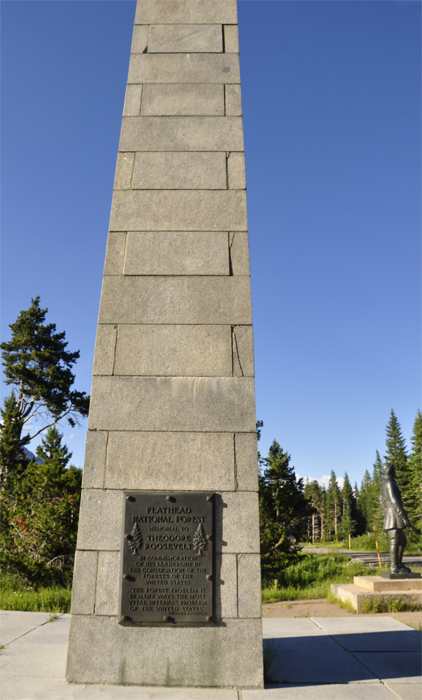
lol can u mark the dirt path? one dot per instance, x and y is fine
(322, 608)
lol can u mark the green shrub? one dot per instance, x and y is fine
(15, 596)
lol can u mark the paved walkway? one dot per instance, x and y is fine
(357, 658)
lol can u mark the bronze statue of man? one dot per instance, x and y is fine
(395, 519)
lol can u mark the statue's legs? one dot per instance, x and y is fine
(398, 542)
(401, 548)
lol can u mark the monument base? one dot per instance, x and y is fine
(399, 577)
(378, 588)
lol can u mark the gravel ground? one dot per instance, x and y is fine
(321, 608)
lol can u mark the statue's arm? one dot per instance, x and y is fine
(395, 500)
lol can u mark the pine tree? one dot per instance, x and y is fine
(397, 455)
(37, 364)
(365, 504)
(12, 459)
(376, 512)
(314, 494)
(348, 519)
(333, 508)
(39, 517)
(415, 480)
(284, 510)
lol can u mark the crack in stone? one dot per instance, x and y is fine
(235, 346)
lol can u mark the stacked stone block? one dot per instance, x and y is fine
(172, 405)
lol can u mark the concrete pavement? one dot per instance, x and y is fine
(362, 658)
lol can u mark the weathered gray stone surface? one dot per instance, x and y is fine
(172, 404)
(215, 404)
(124, 170)
(95, 459)
(85, 574)
(236, 171)
(107, 595)
(238, 511)
(181, 134)
(177, 253)
(249, 573)
(140, 38)
(233, 101)
(205, 459)
(186, 12)
(173, 351)
(184, 68)
(105, 347)
(231, 38)
(180, 171)
(132, 106)
(176, 300)
(226, 603)
(105, 652)
(243, 361)
(183, 100)
(246, 461)
(115, 253)
(173, 210)
(185, 38)
(100, 520)
(239, 253)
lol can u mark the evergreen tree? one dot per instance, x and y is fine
(39, 517)
(365, 504)
(12, 454)
(284, 511)
(376, 512)
(314, 494)
(348, 516)
(333, 508)
(415, 480)
(38, 366)
(397, 455)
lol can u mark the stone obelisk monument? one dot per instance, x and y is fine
(167, 573)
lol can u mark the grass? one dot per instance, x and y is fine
(364, 543)
(14, 596)
(311, 577)
(383, 605)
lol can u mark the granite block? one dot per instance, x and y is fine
(181, 134)
(243, 360)
(100, 520)
(236, 171)
(105, 346)
(196, 461)
(239, 253)
(184, 68)
(124, 169)
(173, 351)
(132, 104)
(176, 300)
(249, 585)
(84, 576)
(176, 404)
(140, 38)
(107, 592)
(115, 253)
(178, 253)
(95, 460)
(186, 12)
(180, 171)
(231, 38)
(239, 522)
(233, 101)
(183, 100)
(185, 38)
(246, 456)
(226, 586)
(101, 651)
(173, 210)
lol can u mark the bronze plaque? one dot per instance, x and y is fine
(167, 559)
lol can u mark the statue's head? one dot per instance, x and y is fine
(388, 469)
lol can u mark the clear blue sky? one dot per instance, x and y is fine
(331, 97)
